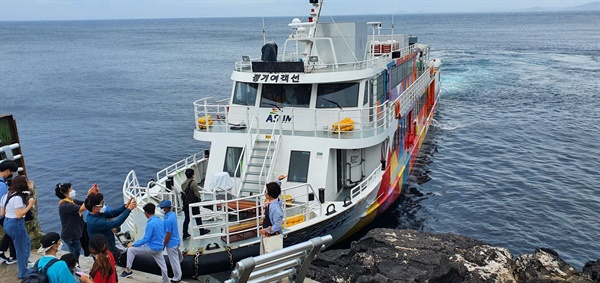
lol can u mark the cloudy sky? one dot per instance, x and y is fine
(16, 10)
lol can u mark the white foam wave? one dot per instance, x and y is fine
(447, 126)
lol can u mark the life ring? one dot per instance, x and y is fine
(397, 106)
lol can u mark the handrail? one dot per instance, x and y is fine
(261, 180)
(291, 262)
(230, 207)
(237, 166)
(184, 163)
(245, 66)
(317, 122)
(362, 186)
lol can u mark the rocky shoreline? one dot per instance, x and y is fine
(390, 255)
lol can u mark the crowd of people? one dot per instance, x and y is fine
(89, 226)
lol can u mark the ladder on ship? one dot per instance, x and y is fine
(259, 165)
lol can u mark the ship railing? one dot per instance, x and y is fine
(246, 66)
(165, 193)
(364, 185)
(212, 110)
(132, 189)
(368, 121)
(298, 203)
(242, 215)
(242, 154)
(180, 165)
(413, 93)
(226, 215)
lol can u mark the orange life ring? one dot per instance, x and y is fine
(397, 109)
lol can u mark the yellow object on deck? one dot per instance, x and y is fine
(293, 220)
(345, 125)
(202, 121)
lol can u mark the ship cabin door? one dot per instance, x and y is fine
(350, 168)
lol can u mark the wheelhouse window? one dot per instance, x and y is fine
(232, 156)
(245, 93)
(285, 95)
(298, 171)
(337, 95)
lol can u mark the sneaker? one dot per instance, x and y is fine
(126, 274)
(10, 260)
(3, 258)
(204, 231)
(187, 236)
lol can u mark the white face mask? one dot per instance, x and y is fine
(59, 247)
(72, 194)
(103, 209)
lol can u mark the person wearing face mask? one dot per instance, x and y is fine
(58, 272)
(100, 221)
(172, 239)
(152, 244)
(69, 210)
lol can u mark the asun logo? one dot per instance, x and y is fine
(274, 117)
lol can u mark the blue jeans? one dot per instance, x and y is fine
(15, 228)
(74, 247)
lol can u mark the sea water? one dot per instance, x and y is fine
(512, 157)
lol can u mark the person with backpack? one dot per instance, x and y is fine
(14, 205)
(7, 168)
(50, 269)
(189, 195)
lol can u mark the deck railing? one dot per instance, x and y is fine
(228, 215)
(363, 186)
(178, 166)
(319, 67)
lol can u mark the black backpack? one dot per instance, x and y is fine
(39, 276)
(188, 195)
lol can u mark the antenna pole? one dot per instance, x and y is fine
(264, 32)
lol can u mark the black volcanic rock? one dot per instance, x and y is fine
(390, 255)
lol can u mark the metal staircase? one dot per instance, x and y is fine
(259, 165)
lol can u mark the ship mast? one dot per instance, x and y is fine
(307, 32)
(315, 13)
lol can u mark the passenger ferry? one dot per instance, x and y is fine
(342, 110)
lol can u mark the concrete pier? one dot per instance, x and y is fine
(8, 273)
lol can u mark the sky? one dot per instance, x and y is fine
(26, 10)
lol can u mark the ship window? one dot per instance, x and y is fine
(298, 171)
(285, 95)
(337, 95)
(245, 93)
(232, 156)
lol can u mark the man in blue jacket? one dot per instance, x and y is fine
(172, 239)
(152, 244)
(58, 272)
(100, 221)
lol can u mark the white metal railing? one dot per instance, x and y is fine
(246, 66)
(229, 213)
(132, 189)
(8, 153)
(413, 93)
(178, 166)
(239, 163)
(363, 186)
(291, 262)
